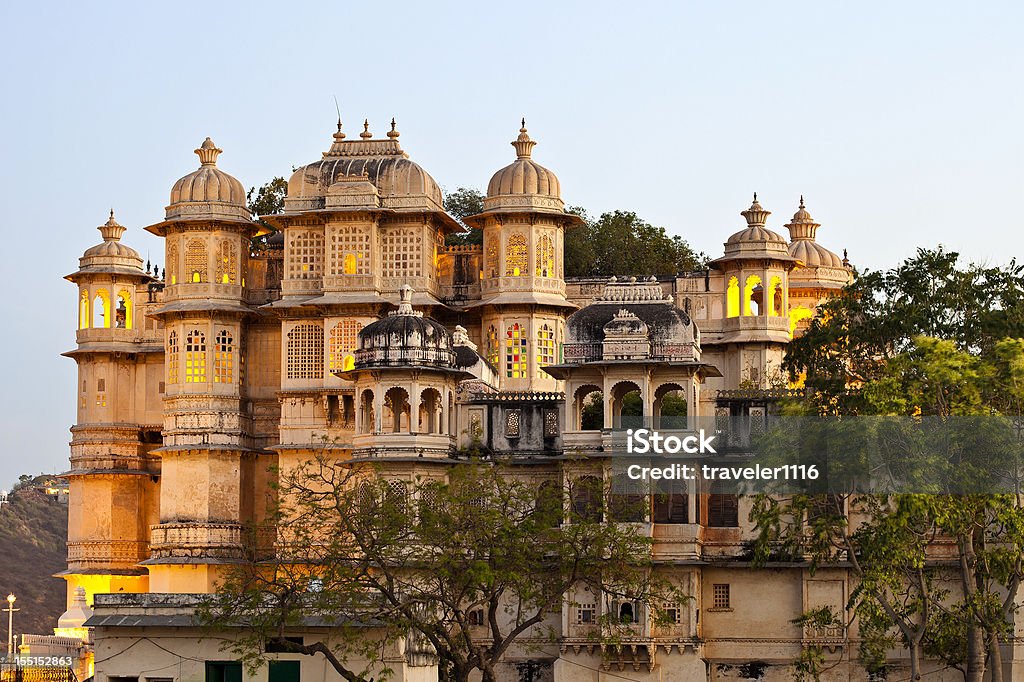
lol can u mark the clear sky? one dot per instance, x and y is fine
(899, 121)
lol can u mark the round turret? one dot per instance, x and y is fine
(404, 338)
(208, 192)
(524, 184)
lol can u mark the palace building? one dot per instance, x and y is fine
(346, 320)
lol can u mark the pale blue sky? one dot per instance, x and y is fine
(899, 121)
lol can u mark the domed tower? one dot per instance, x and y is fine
(819, 275)
(358, 224)
(120, 368)
(209, 455)
(755, 270)
(522, 279)
(407, 368)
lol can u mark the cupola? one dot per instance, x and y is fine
(208, 192)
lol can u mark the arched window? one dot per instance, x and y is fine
(773, 301)
(517, 356)
(752, 292)
(171, 266)
(195, 357)
(545, 257)
(342, 346)
(397, 411)
(797, 316)
(305, 352)
(224, 358)
(172, 357)
(306, 255)
(545, 349)
(587, 498)
(732, 298)
(196, 261)
(515, 255)
(101, 310)
(83, 310)
(227, 262)
(349, 250)
(492, 346)
(124, 313)
(492, 259)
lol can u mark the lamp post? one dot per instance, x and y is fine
(10, 625)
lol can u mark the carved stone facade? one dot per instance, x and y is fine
(354, 329)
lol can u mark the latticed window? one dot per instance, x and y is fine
(545, 257)
(350, 251)
(172, 357)
(306, 255)
(397, 496)
(492, 259)
(195, 357)
(515, 255)
(517, 359)
(400, 253)
(171, 265)
(224, 358)
(550, 423)
(586, 614)
(342, 346)
(513, 423)
(545, 349)
(305, 352)
(492, 346)
(196, 261)
(227, 262)
(720, 597)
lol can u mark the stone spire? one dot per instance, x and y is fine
(405, 304)
(393, 134)
(756, 216)
(523, 144)
(208, 152)
(802, 226)
(366, 134)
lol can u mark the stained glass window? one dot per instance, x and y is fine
(517, 358)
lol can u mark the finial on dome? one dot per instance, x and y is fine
(338, 135)
(523, 144)
(393, 134)
(405, 302)
(366, 134)
(846, 260)
(111, 230)
(802, 226)
(208, 152)
(756, 216)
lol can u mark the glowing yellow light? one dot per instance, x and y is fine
(732, 298)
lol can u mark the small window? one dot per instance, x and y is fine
(723, 511)
(673, 614)
(586, 614)
(101, 385)
(476, 617)
(720, 596)
(223, 671)
(284, 671)
(550, 423)
(161, 387)
(513, 421)
(101, 400)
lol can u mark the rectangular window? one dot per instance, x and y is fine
(283, 671)
(723, 511)
(223, 671)
(673, 614)
(586, 614)
(550, 423)
(101, 385)
(101, 400)
(720, 596)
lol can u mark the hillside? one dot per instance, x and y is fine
(33, 537)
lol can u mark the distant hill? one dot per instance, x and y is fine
(33, 537)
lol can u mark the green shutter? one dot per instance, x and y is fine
(284, 671)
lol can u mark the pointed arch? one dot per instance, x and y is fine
(125, 311)
(545, 257)
(224, 358)
(196, 265)
(101, 310)
(773, 300)
(171, 264)
(227, 262)
(195, 357)
(545, 349)
(83, 310)
(517, 355)
(750, 296)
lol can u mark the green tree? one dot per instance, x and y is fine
(464, 201)
(268, 199)
(622, 243)
(466, 566)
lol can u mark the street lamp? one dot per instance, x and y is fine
(10, 625)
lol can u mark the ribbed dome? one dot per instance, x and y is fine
(401, 184)
(814, 255)
(755, 230)
(111, 256)
(524, 184)
(208, 192)
(405, 338)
